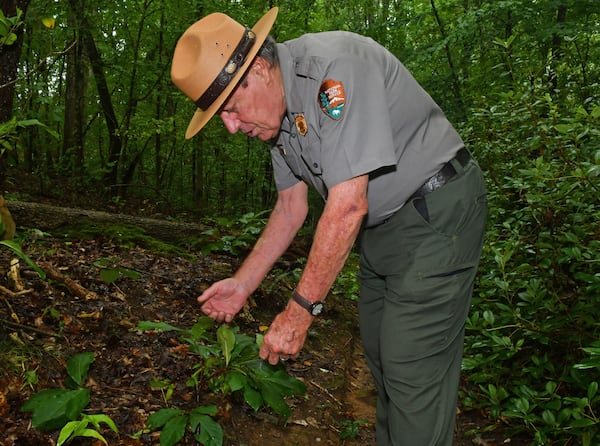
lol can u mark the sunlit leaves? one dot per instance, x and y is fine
(49, 22)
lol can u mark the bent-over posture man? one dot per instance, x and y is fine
(344, 116)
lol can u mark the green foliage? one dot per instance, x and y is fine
(173, 423)
(234, 235)
(347, 283)
(76, 429)
(53, 408)
(111, 271)
(519, 79)
(62, 408)
(229, 363)
(537, 300)
(8, 28)
(593, 359)
(351, 428)
(9, 132)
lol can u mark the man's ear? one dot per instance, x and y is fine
(260, 68)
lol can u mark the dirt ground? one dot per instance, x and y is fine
(46, 324)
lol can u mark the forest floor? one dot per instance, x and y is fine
(48, 323)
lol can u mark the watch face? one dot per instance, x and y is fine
(316, 309)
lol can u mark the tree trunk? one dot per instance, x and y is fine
(455, 82)
(73, 146)
(557, 51)
(48, 218)
(114, 139)
(10, 56)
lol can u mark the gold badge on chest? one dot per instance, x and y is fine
(301, 124)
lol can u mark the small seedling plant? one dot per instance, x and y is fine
(62, 408)
(228, 365)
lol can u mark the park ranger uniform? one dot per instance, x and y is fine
(354, 109)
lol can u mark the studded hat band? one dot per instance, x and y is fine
(228, 72)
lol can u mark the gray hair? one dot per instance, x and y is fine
(268, 51)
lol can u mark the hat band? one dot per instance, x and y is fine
(228, 72)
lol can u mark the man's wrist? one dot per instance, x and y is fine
(313, 308)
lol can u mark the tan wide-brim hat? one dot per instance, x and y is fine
(211, 58)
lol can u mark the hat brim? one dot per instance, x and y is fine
(261, 29)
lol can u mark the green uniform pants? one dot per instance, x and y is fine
(416, 273)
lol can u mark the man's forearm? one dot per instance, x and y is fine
(336, 233)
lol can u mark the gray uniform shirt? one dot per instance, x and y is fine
(353, 109)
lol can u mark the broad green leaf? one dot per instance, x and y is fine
(53, 408)
(201, 326)
(584, 422)
(286, 383)
(129, 273)
(68, 429)
(76, 429)
(158, 326)
(97, 419)
(211, 433)
(162, 417)
(109, 275)
(226, 339)
(91, 433)
(253, 398)
(78, 366)
(173, 431)
(275, 401)
(563, 128)
(198, 412)
(235, 381)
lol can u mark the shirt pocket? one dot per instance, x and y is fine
(311, 153)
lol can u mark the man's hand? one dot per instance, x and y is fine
(286, 334)
(223, 299)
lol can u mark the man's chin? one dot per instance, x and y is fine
(270, 139)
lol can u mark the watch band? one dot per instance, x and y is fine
(314, 308)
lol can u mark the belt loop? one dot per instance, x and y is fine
(458, 167)
(460, 161)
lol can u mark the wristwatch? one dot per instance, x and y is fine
(314, 308)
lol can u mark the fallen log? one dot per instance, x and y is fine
(48, 218)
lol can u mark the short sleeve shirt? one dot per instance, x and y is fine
(353, 109)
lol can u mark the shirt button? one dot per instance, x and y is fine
(315, 165)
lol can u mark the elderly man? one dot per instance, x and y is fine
(344, 116)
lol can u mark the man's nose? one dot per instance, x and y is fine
(231, 122)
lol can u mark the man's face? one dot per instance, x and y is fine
(257, 105)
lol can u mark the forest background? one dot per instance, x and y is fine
(86, 102)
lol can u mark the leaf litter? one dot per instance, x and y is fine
(76, 311)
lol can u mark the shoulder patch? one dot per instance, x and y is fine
(332, 98)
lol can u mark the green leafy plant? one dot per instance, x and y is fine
(62, 408)
(228, 365)
(240, 234)
(165, 386)
(593, 357)
(9, 26)
(537, 298)
(173, 423)
(351, 428)
(75, 429)
(111, 271)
